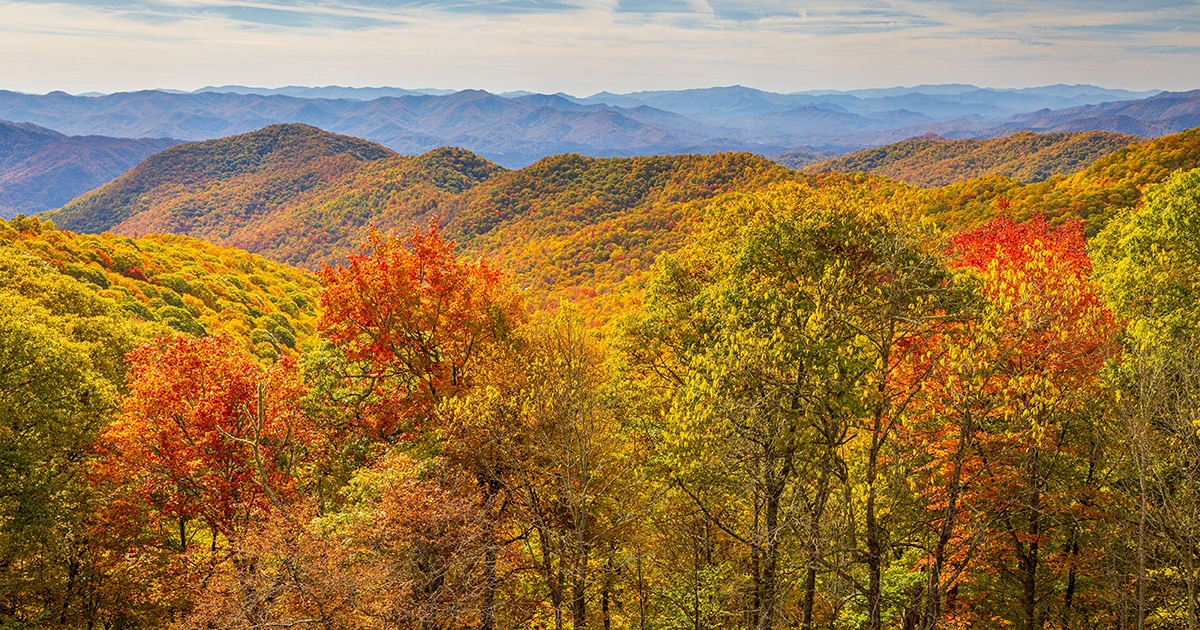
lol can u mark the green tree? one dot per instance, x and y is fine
(789, 330)
(1148, 262)
(53, 400)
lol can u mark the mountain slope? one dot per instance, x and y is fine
(573, 227)
(569, 227)
(566, 221)
(291, 192)
(218, 184)
(1110, 185)
(1025, 156)
(1162, 114)
(42, 169)
(160, 283)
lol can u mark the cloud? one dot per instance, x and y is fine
(582, 46)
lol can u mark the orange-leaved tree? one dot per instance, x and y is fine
(205, 443)
(1003, 426)
(410, 325)
(410, 319)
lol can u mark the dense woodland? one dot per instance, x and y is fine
(654, 393)
(936, 161)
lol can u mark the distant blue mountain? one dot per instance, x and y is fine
(329, 91)
(516, 128)
(42, 169)
(940, 102)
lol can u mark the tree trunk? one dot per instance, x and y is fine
(579, 595)
(874, 533)
(491, 583)
(1190, 565)
(488, 614)
(555, 579)
(1029, 560)
(1069, 595)
(933, 597)
(766, 615)
(1140, 619)
(814, 533)
(610, 570)
(874, 544)
(810, 596)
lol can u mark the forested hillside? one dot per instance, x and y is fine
(1026, 157)
(159, 284)
(1094, 195)
(824, 410)
(201, 186)
(569, 227)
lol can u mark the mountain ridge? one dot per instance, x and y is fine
(42, 169)
(517, 129)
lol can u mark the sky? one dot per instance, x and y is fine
(584, 46)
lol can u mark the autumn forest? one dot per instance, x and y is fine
(654, 393)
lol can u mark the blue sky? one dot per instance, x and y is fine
(584, 46)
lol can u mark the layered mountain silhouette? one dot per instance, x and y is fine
(517, 129)
(1166, 113)
(513, 131)
(42, 169)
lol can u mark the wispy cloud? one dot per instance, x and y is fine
(582, 46)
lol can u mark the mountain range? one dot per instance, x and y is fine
(41, 168)
(516, 129)
(62, 145)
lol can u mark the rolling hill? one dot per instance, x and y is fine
(1093, 195)
(1025, 156)
(220, 183)
(569, 226)
(42, 169)
(299, 195)
(292, 192)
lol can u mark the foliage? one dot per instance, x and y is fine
(1004, 421)
(269, 164)
(54, 398)
(1025, 157)
(1146, 264)
(1094, 195)
(185, 284)
(411, 320)
(293, 192)
(823, 404)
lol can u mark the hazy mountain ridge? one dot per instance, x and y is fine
(509, 130)
(1162, 114)
(42, 169)
(517, 129)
